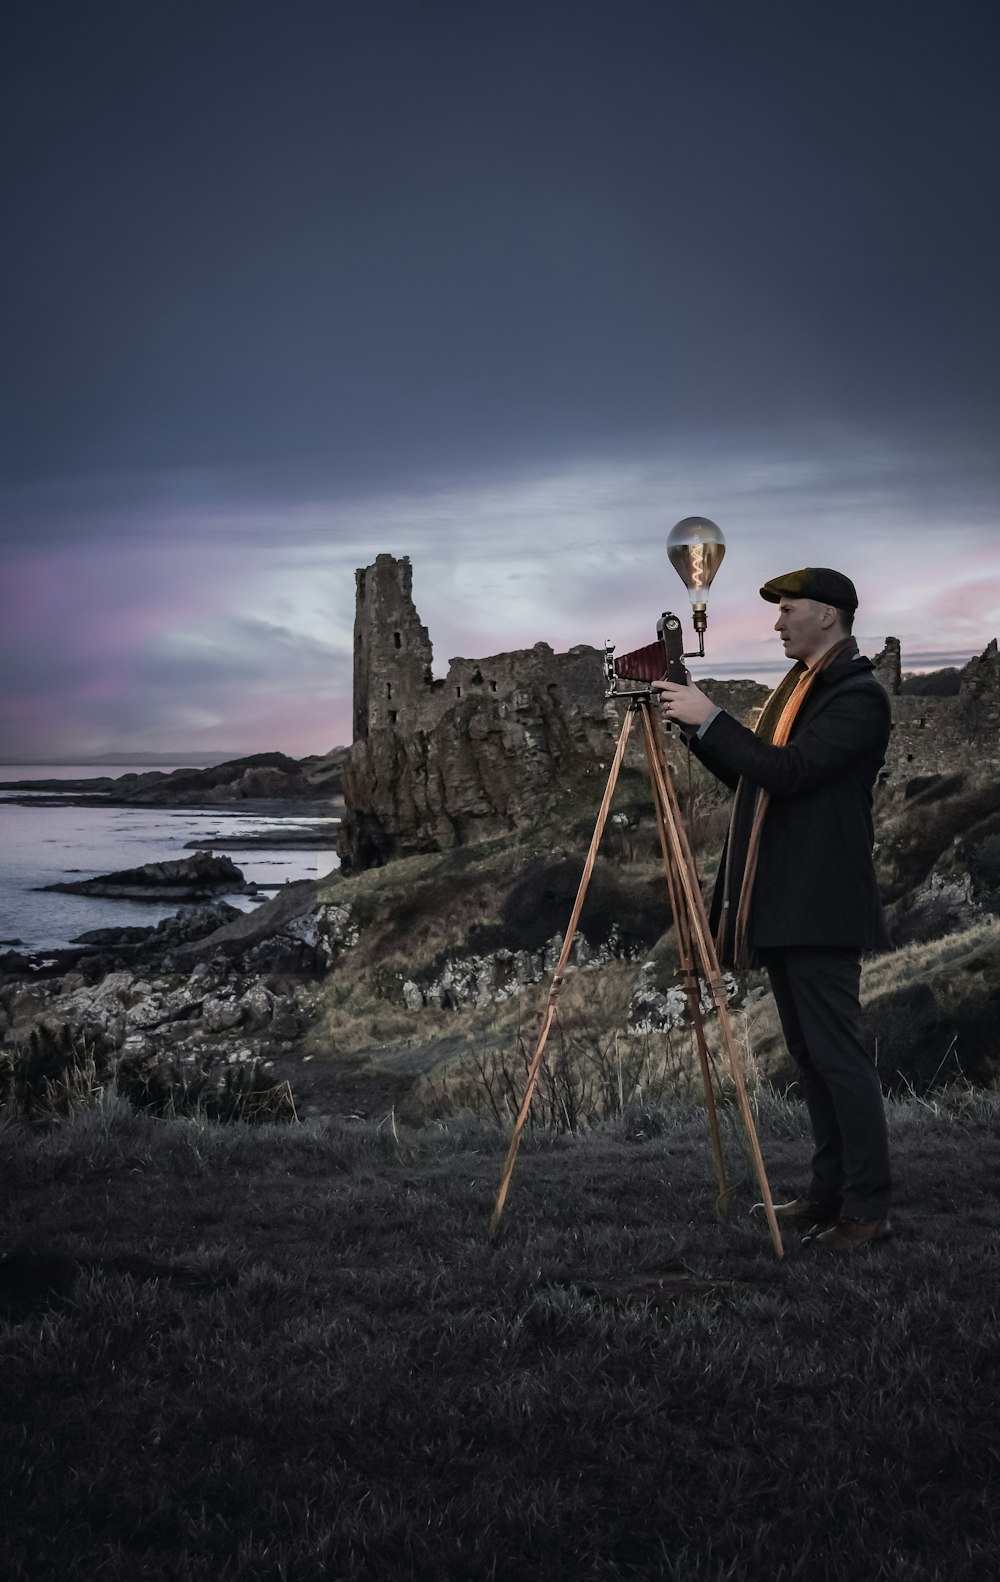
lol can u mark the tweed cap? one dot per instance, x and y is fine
(813, 582)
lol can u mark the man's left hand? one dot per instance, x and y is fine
(683, 705)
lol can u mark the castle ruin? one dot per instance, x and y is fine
(437, 763)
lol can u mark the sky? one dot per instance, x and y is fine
(508, 288)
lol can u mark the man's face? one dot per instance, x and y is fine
(805, 628)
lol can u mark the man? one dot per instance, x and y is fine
(796, 891)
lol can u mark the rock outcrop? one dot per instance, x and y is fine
(488, 765)
(184, 879)
(209, 985)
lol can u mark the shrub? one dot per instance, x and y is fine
(61, 1071)
(583, 1081)
(58, 1071)
(211, 1088)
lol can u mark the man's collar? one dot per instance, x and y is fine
(850, 660)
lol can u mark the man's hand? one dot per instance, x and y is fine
(685, 705)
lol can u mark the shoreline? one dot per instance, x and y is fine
(243, 807)
(279, 840)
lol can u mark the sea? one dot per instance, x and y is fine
(47, 842)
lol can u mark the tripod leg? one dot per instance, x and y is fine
(560, 973)
(689, 978)
(705, 945)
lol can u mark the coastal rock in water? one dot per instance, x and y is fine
(184, 879)
(115, 938)
(190, 923)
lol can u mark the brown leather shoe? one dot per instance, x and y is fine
(805, 1211)
(850, 1235)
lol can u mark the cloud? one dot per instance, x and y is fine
(209, 615)
(133, 648)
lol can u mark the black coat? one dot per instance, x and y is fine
(815, 875)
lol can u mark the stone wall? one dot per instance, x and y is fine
(941, 735)
(437, 763)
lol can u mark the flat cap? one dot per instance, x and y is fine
(813, 582)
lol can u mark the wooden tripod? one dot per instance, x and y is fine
(696, 949)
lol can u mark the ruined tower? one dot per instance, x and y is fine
(889, 667)
(392, 649)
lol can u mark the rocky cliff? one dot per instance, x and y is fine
(490, 763)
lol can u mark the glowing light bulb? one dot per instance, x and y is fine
(696, 547)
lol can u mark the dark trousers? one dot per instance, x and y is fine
(816, 992)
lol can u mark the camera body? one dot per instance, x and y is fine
(659, 661)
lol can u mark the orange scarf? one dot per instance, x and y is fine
(775, 726)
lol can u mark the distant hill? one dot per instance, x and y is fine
(139, 760)
(270, 776)
(932, 683)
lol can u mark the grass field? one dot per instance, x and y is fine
(292, 1353)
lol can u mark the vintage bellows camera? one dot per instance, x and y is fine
(659, 661)
(695, 549)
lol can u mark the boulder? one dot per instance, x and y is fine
(256, 1007)
(219, 1015)
(290, 933)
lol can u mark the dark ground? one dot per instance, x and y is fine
(293, 1353)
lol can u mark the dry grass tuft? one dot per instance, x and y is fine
(898, 969)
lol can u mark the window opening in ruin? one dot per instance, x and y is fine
(493, 686)
(388, 689)
(477, 679)
(458, 692)
(397, 639)
(392, 716)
